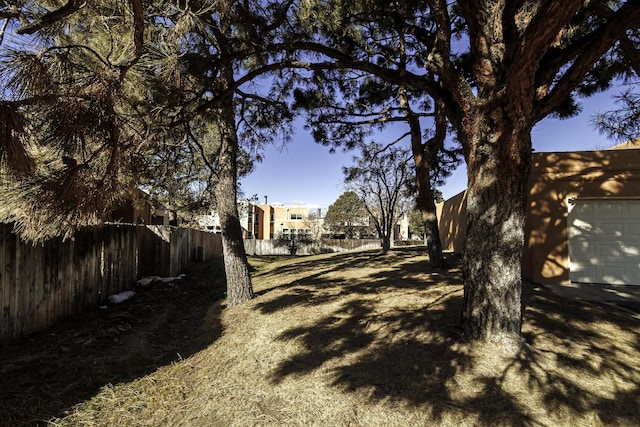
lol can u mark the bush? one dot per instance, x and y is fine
(292, 242)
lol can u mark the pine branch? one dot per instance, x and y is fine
(138, 37)
(3, 29)
(52, 17)
(543, 28)
(602, 39)
(632, 55)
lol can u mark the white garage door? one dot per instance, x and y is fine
(604, 241)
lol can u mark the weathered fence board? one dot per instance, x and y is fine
(154, 250)
(44, 283)
(266, 247)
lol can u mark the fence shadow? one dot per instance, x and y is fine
(45, 374)
(41, 284)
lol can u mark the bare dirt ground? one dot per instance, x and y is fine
(50, 371)
(356, 339)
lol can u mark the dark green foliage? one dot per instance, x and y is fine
(347, 215)
(293, 241)
(622, 123)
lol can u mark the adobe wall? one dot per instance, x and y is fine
(555, 177)
(263, 212)
(452, 222)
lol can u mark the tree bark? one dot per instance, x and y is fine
(424, 155)
(427, 207)
(386, 244)
(239, 286)
(498, 169)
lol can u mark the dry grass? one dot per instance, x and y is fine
(364, 339)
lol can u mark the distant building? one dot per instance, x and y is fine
(401, 230)
(269, 221)
(137, 208)
(209, 222)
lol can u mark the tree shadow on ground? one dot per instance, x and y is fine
(392, 334)
(48, 372)
(596, 350)
(312, 273)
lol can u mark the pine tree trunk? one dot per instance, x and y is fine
(427, 207)
(239, 286)
(432, 231)
(424, 156)
(498, 167)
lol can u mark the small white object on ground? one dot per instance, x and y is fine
(150, 279)
(122, 296)
(170, 279)
(146, 280)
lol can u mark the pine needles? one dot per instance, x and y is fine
(13, 152)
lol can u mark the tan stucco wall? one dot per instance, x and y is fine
(134, 208)
(629, 145)
(452, 222)
(555, 177)
(272, 219)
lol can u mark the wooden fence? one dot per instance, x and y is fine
(266, 247)
(44, 283)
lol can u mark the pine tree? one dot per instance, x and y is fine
(70, 99)
(140, 104)
(499, 68)
(346, 215)
(343, 109)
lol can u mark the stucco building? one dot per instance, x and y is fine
(271, 221)
(136, 208)
(583, 217)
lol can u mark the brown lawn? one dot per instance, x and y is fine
(358, 339)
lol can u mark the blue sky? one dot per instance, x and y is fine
(306, 173)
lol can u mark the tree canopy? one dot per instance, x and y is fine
(345, 107)
(498, 68)
(346, 215)
(70, 103)
(134, 94)
(491, 69)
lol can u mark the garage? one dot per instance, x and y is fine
(604, 241)
(589, 200)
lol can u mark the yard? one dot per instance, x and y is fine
(343, 340)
